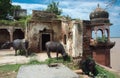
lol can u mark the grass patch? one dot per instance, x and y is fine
(12, 67)
(103, 73)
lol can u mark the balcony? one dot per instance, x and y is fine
(101, 45)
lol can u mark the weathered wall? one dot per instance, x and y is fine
(68, 32)
(102, 56)
(86, 39)
(77, 39)
(73, 31)
(36, 29)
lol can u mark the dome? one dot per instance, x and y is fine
(99, 15)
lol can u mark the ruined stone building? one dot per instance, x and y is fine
(79, 37)
(9, 32)
(45, 26)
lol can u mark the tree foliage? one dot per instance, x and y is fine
(53, 8)
(5, 6)
(13, 8)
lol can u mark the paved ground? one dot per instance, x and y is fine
(59, 71)
(7, 57)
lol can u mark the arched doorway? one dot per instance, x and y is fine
(4, 36)
(18, 34)
(45, 36)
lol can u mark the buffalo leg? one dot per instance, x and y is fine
(26, 51)
(57, 55)
(15, 52)
(48, 53)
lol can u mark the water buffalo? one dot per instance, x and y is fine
(57, 47)
(17, 44)
(88, 66)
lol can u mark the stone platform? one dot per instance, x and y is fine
(45, 71)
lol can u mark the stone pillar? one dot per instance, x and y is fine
(103, 33)
(95, 35)
(10, 30)
(108, 35)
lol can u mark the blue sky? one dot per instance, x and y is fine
(78, 9)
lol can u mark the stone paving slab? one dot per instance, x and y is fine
(44, 71)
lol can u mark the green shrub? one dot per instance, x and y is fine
(102, 39)
(103, 73)
(33, 62)
(60, 60)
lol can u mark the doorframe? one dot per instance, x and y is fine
(42, 39)
(50, 32)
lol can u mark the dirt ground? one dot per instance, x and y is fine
(8, 74)
(7, 56)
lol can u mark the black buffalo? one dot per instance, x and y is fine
(57, 47)
(17, 44)
(89, 66)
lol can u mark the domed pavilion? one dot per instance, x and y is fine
(96, 37)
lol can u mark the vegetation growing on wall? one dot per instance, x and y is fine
(7, 14)
(18, 23)
(102, 39)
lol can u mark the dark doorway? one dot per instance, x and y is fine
(18, 34)
(45, 38)
(4, 36)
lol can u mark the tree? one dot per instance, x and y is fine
(5, 6)
(53, 8)
(13, 8)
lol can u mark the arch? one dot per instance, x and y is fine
(106, 33)
(18, 34)
(99, 33)
(4, 36)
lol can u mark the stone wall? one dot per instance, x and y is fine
(72, 31)
(35, 31)
(86, 39)
(102, 56)
(42, 16)
(77, 40)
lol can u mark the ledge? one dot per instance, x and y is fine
(107, 45)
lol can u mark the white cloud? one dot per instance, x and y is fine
(75, 9)
(78, 9)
